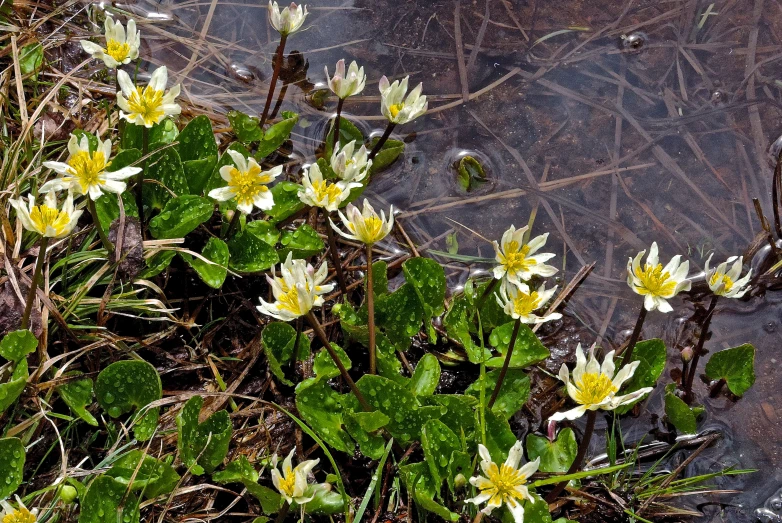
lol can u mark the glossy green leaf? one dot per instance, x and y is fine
(163, 133)
(325, 501)
(324, 366)
(513, 394)
(371, 444)
(12, 459)
(651, 355)
(286, 201)
(470, 173)
(213, 274)
(348, 132)
(107, 501)
(77, 394)
(275, 136)
(428, 279)
(30, 58)
(278, 344)
(736, 366)
(168, 176)
(237, 471)
(181, 216)
(419, 482)
(400, 315)
(155, 477)
(527, 350)
(439, 443)
(250, 254)
(303, 243)
(379, 278)
(202, 446)
(198, 173)
(17, 345)
(679, 414)
(499, 436)
(197, 140)
(460, 416)
(157, 264)
(270, 500)
(92, 140)
(320, 407)
(536, 510)
(127, 385)
(387, 155)
(13, 388)
(555, 456)
(426, 376)
(247, 128)
(265, 231)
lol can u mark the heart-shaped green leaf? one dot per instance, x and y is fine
(286, 201)
(250, 254)
(513, 393)
(17, 345)
(527, 350)
(736, 366)
(303, 243)
(13, 388)
(154, 477)
(247, 128)
(426, 376)
(202, 446)
(555, 456)
(213, 274)
(12, 458)
(164, 167)
(428, 279)
(197, 140)
(276, 135)
(107, 501)
(127, 385)
(181, 216)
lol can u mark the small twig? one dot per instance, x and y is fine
(336, 144)
(505, 364)
(335, 254)
(689, 378)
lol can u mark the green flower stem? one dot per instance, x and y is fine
(275, 75)
(98, 227)
(313, 321)
(687, 380)
(335, 147)
(380, 143)
(35, 281)
(371, 313)
(232, 225)
(588, 430)
(505, 364)
(335, 255)
(628, 352)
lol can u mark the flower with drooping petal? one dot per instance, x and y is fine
(85, 171)
(520, 302)
(319, 192)
(147, 106)
(656, 283)
(46, 219)
(346, 84)
(395, 106)
(505, 483)
(287, 20)
(296, 291)
(292, 482)
(726, 282)
(594, 386)
(121, 48)
(365, 225)
(20, 514)
(517, 260)
(349, 164)
(247, 183)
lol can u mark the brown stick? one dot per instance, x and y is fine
(690, 378)
(505, 364)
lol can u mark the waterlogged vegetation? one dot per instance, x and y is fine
(387, 391)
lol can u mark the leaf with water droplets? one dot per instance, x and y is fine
(202, 446)
(237, 471)
(555, 456)
(247, 128)
(428, 279)
(197, 173)
(166, 168)
(400, 315)
(13, 388)
(419, 482)
(250, 254)
(286, 201)
(439, 443)
(278, 345)
(156, 264)
(107, 501)
(513, 393)
(303, 243)
(527, 350)
(127, 385)
(155, 477)
(17, 345)
(265, 231)
(536, 510)
(736, 366)
(499, 436)
(77, 394)
(197, 140)
(426, 376)
(213, 274)
(12, 458)
(108, 205)
(321, 408)
(326, 501)
(275, 136)
(132, 136)
(651, 357)
(181, 216)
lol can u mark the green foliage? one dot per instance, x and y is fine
(379, 278)
(181, 216)
(400, 314)
(426, 376)
(325, 501)
(202, 446)
(279, 340)
(470, 173)
(348, 132)
(197, 141)
(30, 58)
(536, 510)
(439, 443)
(513, 394)
(165, 168)
(213, 274)
(198, 173)
(77, 394)
(736, 366)
(250, 253)
(265, 231)
(107, 205)
(555, 456)
(499, 437)
(651, 355)
(107, 501)
(303, 243)
(242, 471)
(286, 201)
(163, 133)
(247, 128)
(12, 389)
(387, 155)
(12, 458)
(527, 350)
(276, 135)
(157, 264)
(321, 407)
(17, 345)
(125, 385)
(154, 477)
(423, 488)
(427, 277)
(679, 414)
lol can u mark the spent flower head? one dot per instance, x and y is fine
(292, 482)
(346, 83)
(393, 104)
(121, 47)
(18, 514)
(726, 282)
(504, 483)
(287, 20)
(46, 219)
(657, 284)
(148, 105)
(518, 261)
(319, 192)
(594, 386)
(351, 164)
(85, 172)
(365, 225)
(247, 183)
(520, 302)
(296, 291)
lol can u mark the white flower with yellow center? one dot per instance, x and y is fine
(319, 192)
(147, 106)
(505, 483)
(296, 291)
(20, 514)
(656, 283)
(518, 261)
(247, 184)
(292, 482)
(365, 225)
(395, 106)
(726, 282)
(594, 386)
(288, 19)
(46, 219)
(520, 302)
(349, 164)
(85, 171)
(349, 83)
(121, 48)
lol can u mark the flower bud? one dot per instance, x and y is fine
(68, 494)
(687, 354)
(459, 481)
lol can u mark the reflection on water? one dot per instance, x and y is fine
(616, 123)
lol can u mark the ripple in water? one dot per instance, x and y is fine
(633, 42)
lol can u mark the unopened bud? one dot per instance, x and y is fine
(68, 494)
(459, 481)
(687, 354)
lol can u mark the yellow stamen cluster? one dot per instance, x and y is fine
(655, 281)
(323, 189)
(288, 484)
(593, 388)
(726, 280)
(87, 167)
(290, 302)
(43, 216)
(526, 303)
(396, 109)
(373, 224)
(516, 257)
(117, 50)
(504, 480)
(19, 516)
(248, 184)
(148, 103)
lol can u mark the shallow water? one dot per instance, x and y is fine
(616, 123)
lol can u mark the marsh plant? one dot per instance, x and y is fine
(165, 197)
